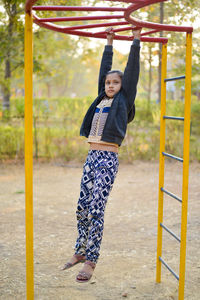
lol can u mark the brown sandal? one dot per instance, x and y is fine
(80, 259)
(83, 276)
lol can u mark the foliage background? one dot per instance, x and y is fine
(65, 77)
(57, 123)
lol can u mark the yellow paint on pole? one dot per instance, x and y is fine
(162, 160)
(186, 151)
(29, 155)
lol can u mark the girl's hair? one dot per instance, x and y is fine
(120, 73)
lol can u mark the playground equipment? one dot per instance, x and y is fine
(87, 30)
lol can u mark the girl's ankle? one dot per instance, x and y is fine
(91, 264)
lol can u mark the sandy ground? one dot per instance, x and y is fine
(127, 264)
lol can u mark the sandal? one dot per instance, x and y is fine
(80, 259)
(83, 276)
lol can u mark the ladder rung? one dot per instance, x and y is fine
(172, 195)
(168, 267)
(172, 156)
(173, 118)
(174, 78)
(170, 232)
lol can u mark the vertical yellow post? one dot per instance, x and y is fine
(29, 155)
(162, 160)
(186, 150)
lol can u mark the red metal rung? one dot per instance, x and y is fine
(77, 8)
(127, 15)
(67, 19)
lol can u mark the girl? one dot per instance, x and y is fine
(105, 126)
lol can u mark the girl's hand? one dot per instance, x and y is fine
(110, 35)
(136, 33)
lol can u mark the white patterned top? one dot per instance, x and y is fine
(99, 120)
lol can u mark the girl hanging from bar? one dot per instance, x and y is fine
(104, 125)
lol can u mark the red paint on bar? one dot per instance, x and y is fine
(97, 25)
(77, 8)
(129, 19)
(161, 27)
(69, 19)
(95, 35)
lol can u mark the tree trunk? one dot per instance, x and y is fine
(7, 73)
(160, 51)
(6, 87)
(150, 75)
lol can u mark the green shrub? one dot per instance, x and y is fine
(57, 123)
(11, 142)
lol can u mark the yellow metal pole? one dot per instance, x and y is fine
(29, 155)
(162, 160)
(186, 150)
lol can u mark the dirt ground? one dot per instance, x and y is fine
(127, 264)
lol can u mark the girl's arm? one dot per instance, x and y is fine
(131, 72)
(106, 61)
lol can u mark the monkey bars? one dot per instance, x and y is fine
(123, 22)
(80, 30)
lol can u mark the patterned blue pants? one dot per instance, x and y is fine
(99, 172)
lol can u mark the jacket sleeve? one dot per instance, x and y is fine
(131, 74)
(106, 65)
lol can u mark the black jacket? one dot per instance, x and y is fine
(122, 110)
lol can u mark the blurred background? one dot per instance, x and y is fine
(65, 83)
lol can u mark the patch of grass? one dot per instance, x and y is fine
(20, 192)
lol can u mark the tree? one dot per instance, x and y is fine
(11, 44)
(63, 61)
(175, 12)
(149, 50)
(160, 51)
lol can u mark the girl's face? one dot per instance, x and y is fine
(113, 84)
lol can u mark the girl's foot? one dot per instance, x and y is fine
(76, 259)
(86, 273)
